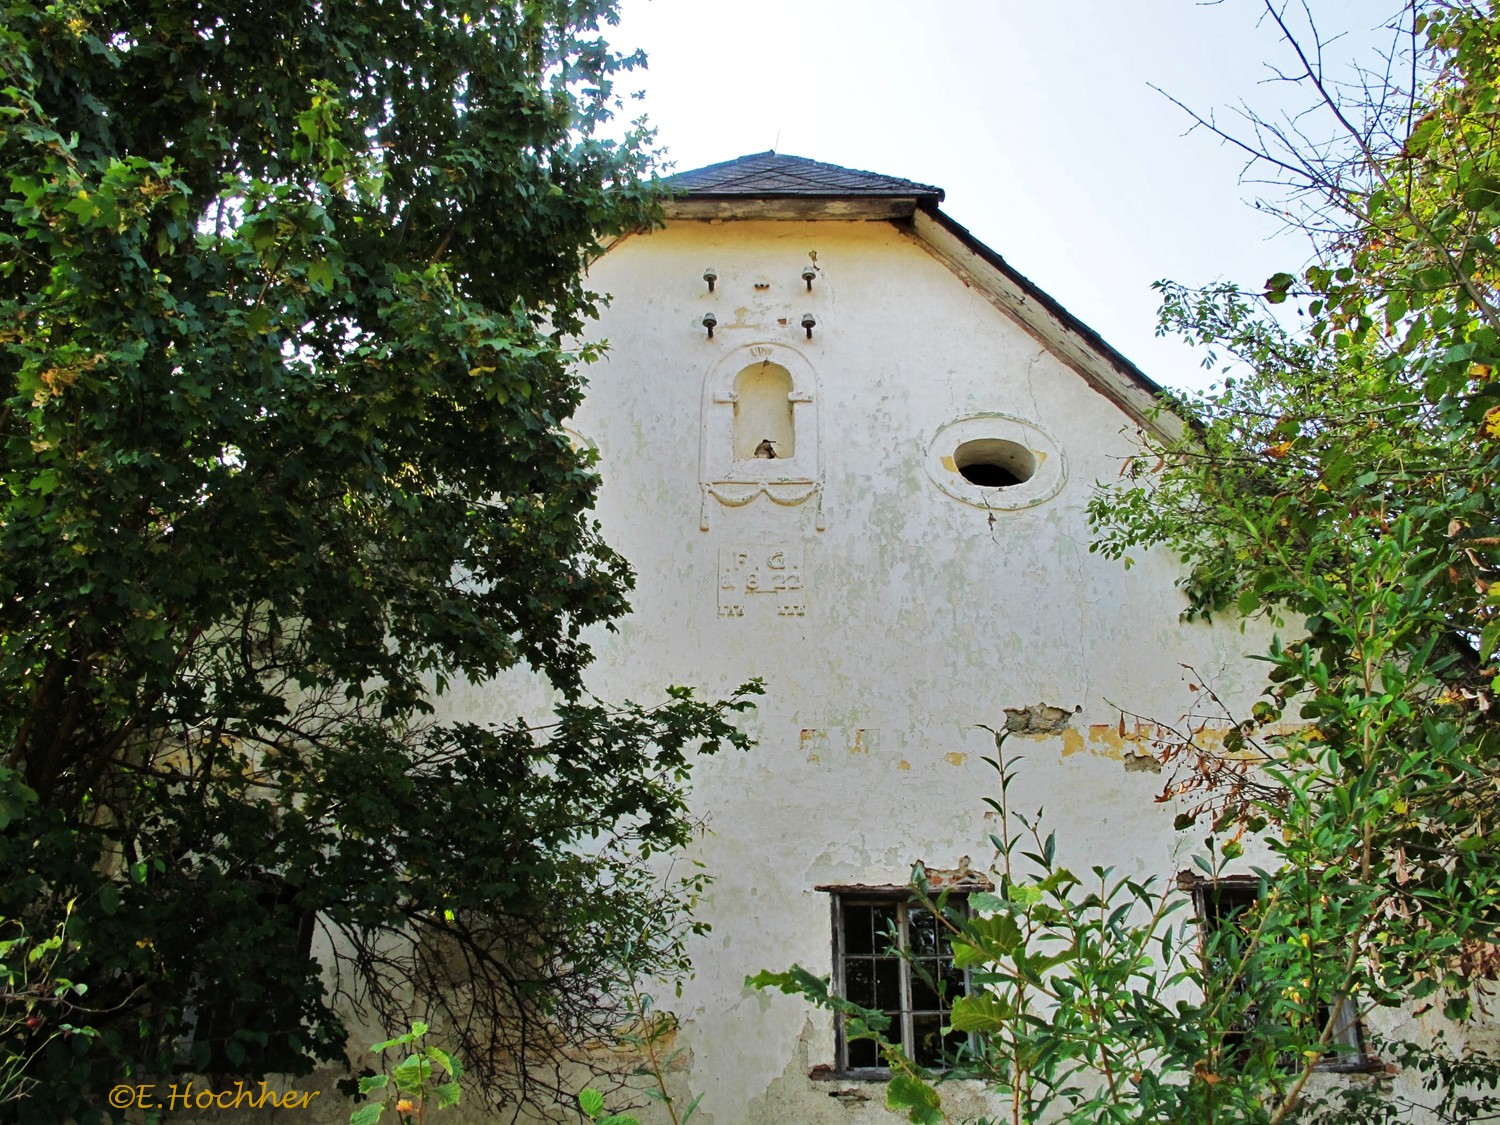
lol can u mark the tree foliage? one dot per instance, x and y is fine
(1342, 482)
(285, 295)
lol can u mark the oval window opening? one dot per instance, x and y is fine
(994, 463)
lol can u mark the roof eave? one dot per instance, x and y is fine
(791, 205)
(1067, 337)
(1075, 343)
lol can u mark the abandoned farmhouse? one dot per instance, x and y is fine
(848, 450)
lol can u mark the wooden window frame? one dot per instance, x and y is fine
(903, 1018)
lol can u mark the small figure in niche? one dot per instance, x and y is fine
(766, 449)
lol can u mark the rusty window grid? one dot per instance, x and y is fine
(871, 972)
(1223, 902)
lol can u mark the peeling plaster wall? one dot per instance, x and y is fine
(921, 618)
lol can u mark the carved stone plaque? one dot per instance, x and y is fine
(774, 571)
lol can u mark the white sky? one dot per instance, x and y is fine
(1036, 118)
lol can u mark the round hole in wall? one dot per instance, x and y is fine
(994, 462)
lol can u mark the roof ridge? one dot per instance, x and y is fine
(771, 173)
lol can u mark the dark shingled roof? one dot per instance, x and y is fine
(770, 174)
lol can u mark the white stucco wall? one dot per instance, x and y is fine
(924, 616)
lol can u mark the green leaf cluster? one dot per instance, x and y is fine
(1343, 482)
(37, 1004)
(591, 1102)
(411, 1083)
(650, 1038)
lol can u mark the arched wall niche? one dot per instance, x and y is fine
(761, 398)
(763, 413)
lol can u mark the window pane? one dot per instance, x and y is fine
(924, 933)
(924, 997)
(953, 979)
(884, 919)
(862, 1052)
(915, 995)
(896, 1032)
(927, 1033)
(932, 1047)
(857, 929)
(955, 1041)
(1230, 912)
(859, 981)
(887, 984)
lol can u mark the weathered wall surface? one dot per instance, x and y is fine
(892, 609)
(889, 614)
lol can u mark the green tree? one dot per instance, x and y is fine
(1343, 481)
(286, 292)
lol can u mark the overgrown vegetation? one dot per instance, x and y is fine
(428, 1076)
(1343, 481)
(37, 1004)
(285, 291)
(1096, 997)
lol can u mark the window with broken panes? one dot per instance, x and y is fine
(1227, 910)
(894, 956)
